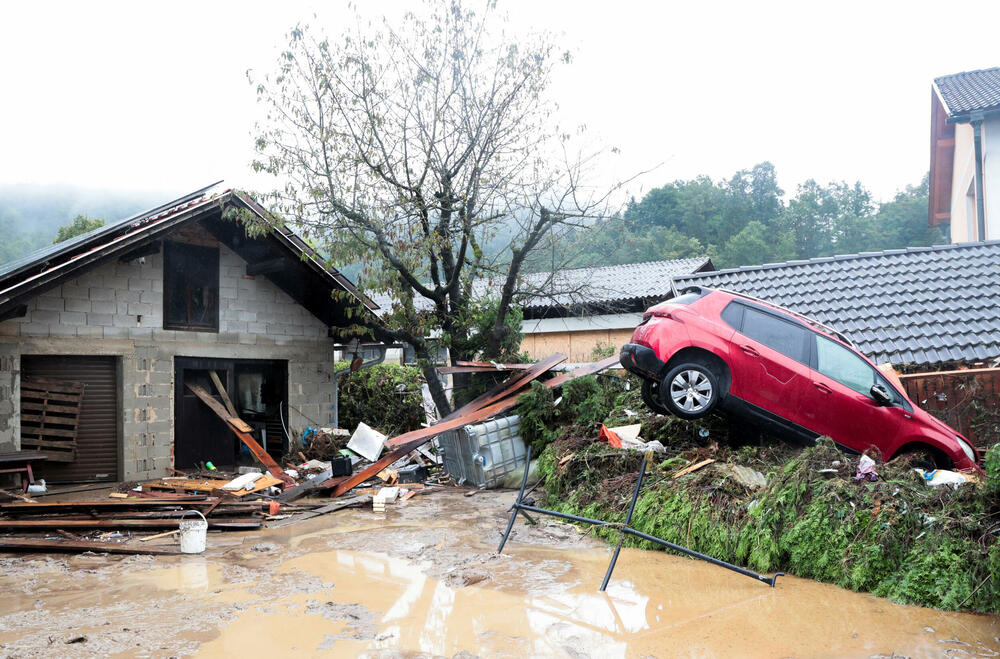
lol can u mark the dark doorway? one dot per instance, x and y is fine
(97, 445)
(259, 391)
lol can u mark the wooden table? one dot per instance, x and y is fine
(21, 461)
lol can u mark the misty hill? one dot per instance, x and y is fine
(30, 214)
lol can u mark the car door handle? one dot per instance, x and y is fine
(750, 350)
(822, 387)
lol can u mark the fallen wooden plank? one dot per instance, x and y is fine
(692, 468)
(510, 385)
(225, 395)
(245, 437)
(329, 508)
(26, 544)
(57, 523)
(457, 419)
(118, 504)
(302, 489)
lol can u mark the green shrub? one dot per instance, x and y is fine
(386, 397)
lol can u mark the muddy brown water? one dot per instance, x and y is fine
(422, 581)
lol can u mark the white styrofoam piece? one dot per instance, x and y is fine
(367, 442)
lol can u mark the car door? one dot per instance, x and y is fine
(770, 364)
(841, 403)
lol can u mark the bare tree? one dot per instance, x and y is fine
(408, 149)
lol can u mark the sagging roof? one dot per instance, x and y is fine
(969, 91)
(920, 306)
(610, 284)
(294, 266)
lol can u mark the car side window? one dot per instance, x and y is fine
(787, 338)
(733, 315)
(838, 363)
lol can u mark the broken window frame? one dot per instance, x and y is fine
(175, 256)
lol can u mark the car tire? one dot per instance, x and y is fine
(690, 391)
(651, 396)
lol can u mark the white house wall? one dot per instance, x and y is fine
(963, 227)
(117, 309)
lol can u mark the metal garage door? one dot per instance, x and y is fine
(97, 429)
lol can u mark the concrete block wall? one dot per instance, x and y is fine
(117, 309)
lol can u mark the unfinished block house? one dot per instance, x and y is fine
(100, 334)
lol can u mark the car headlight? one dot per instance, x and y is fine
(967, 449)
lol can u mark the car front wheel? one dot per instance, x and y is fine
(690, 391)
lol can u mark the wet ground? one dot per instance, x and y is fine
(423, 581)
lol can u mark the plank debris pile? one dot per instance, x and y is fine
(131, 520)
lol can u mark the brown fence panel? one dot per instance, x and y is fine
(968, 400)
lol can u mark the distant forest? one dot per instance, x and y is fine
(745, 220)
(30, 215)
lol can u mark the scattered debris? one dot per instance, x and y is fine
(693, 468)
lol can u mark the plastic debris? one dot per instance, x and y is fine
(866, 470)
(938, 477)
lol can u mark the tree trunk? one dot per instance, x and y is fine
(438, 393)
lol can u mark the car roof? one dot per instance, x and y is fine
(806, 320)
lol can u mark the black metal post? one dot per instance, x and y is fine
(520, 507)
(517, 501)
(714, 561)
(628, 520)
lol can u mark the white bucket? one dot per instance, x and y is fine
(193, 534)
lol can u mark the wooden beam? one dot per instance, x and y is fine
(245, 437)
(225, 396)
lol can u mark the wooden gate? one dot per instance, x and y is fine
(967, 400)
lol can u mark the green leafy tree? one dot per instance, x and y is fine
(81, 224)
(407, 148)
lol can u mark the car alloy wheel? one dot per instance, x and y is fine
(690, 391)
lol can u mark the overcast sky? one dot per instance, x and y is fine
(154, 96)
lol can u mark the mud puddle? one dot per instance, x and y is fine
(423, 581)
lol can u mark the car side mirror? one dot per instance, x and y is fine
(880, 395)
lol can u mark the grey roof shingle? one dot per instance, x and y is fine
(611, 283)
(915, 306)
(579, 286)
(970, 90)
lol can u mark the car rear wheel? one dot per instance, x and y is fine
(651, 396)
(690, 391)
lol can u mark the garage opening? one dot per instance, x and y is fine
(69, 410)
(258, 390)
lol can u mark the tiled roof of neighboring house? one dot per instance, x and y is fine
(586, 286)
(969, 91)
(922, 306)
(610, 283)
(47, 267)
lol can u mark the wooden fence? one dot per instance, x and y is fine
(967, 400)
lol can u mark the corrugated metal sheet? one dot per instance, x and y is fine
(97, 430)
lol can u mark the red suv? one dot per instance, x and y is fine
(716, 351)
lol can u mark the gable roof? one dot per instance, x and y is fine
(922, 306)
(610, 284)
(304, 275)
(969, 91)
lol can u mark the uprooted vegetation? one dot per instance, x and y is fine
(896, 537)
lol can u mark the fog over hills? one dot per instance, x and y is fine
(31, 213)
